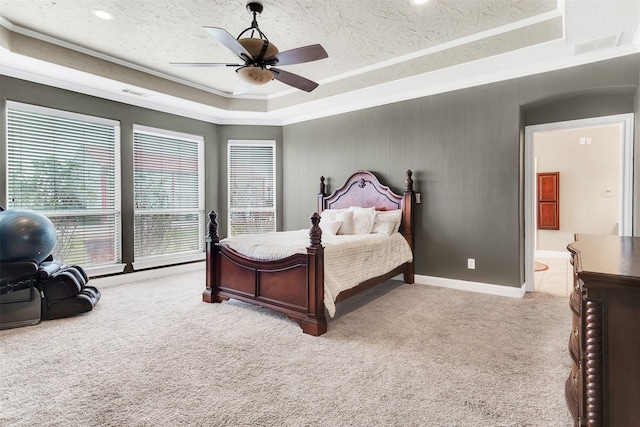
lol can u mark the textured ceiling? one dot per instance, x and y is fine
(370, 43)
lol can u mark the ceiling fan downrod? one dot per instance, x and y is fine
(255, 9)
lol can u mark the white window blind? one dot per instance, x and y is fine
(169, 194)
(67, 167)
(252, 186)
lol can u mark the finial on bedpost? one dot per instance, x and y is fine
(315, 233)
(213, 225)
(408, 182)
(322, 187)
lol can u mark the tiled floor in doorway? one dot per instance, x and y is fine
(557, 279)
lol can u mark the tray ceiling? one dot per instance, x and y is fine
(379, 50)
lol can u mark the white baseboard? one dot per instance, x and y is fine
(160, 261)
(146, 274)
(103, 270)
(552, 254)
(484, 288)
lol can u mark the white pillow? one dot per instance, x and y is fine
(346, 217)
(331, 214)
(384, 225)
(394, 216)
(363, 219)
(330, 227)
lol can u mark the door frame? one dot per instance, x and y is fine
(625, 206)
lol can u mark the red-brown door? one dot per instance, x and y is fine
(549, 201)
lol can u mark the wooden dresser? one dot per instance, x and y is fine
(603, 388)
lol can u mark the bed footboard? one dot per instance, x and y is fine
(293, 285)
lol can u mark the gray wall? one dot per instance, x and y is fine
(466, 149)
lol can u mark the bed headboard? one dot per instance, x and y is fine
(364, 189)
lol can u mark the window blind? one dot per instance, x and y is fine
(169, 193)
(252, 187)
(67, 167)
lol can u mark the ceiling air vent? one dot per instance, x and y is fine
(593, 45)
(135, 92)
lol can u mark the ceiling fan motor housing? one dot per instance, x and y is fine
(254, 47)
(253, 73)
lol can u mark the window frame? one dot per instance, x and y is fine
(180, 257)
(117, 266)
(252, 143)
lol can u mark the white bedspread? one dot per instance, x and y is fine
(348, 259)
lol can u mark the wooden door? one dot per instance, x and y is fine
(548, 198)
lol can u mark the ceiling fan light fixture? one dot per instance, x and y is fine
(255, 75)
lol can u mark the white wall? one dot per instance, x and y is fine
(589, 181)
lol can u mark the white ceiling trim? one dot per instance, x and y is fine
(454, 78)
(37, 71)
(442, 81)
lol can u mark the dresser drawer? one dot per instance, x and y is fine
(572, 395)
(575, 302)
(574, 346)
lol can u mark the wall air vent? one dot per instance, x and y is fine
(597, 44)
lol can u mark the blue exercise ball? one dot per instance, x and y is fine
(25, 234)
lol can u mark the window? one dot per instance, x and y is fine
(169, 196)
(67, 167)
(252, 186)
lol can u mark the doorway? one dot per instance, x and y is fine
(623, 189)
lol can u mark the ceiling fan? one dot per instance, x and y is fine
(260, 55)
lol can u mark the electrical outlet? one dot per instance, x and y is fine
(417, 197)
(471, 263)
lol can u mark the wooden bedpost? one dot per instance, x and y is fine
(408, 206)
(212, 249)
(321, 195)
(315, 322)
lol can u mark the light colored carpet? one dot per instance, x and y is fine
(152, 354)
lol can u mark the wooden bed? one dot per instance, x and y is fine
(295, 285)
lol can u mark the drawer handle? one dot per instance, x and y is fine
(576, 334)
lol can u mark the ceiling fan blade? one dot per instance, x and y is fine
(241, 87)
(221, 35)
(299, 55)
(203, 64)
(294, 80)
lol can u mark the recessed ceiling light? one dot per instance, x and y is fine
(102, 14)
(419, 1)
